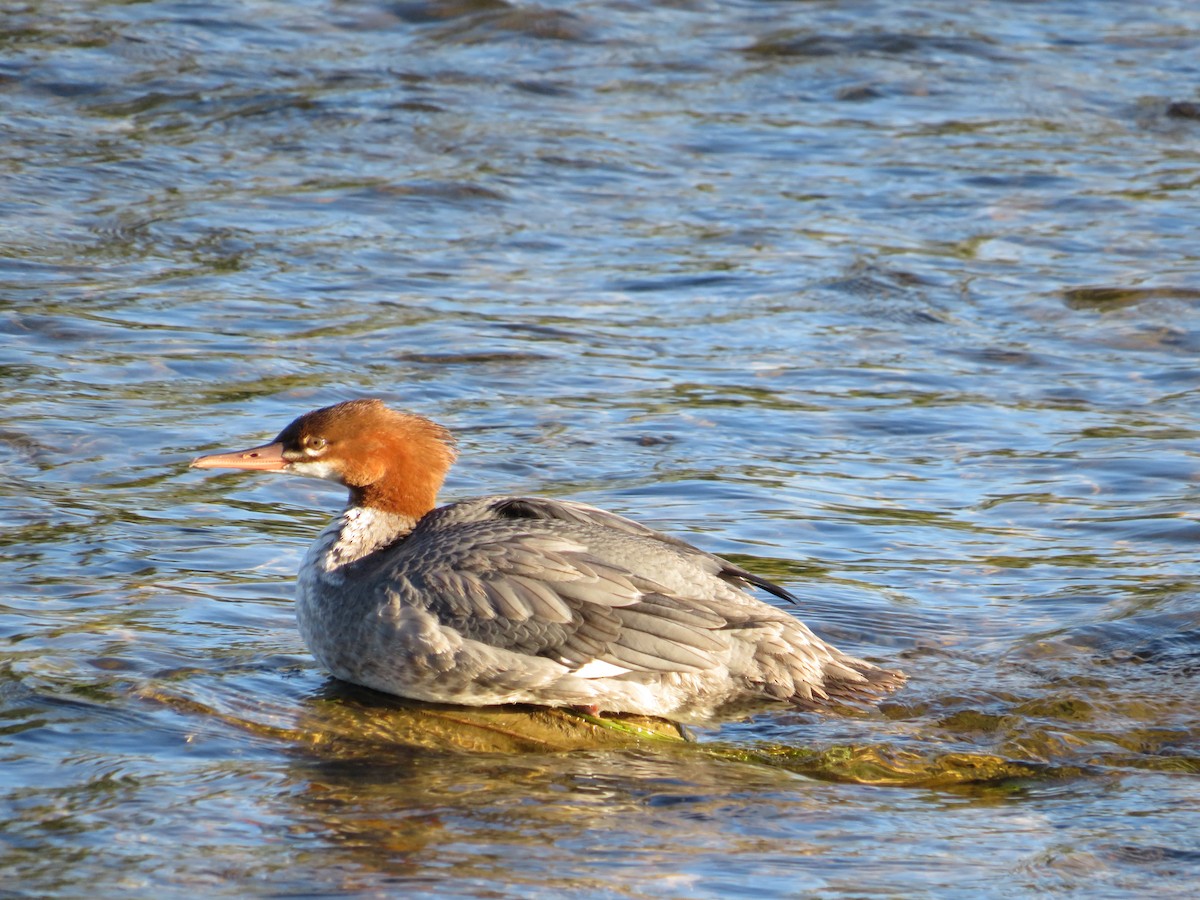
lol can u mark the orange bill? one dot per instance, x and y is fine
(267, 458)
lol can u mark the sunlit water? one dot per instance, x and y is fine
(896, 303)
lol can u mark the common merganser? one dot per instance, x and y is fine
(508, 599)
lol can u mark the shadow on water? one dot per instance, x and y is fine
(394, 787)
(1039, 719)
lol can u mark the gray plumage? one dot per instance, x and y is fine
(527, 600)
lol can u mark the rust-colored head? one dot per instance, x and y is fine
(389, 460)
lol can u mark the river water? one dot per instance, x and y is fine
(894, 302)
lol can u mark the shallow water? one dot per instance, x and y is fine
(896, 303)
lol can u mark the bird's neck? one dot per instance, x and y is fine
(359, 532)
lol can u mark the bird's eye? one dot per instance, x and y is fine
(314, 445)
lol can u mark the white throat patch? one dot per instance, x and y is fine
(315, 468)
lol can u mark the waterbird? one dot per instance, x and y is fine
(527, 600)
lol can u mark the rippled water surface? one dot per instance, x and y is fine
(894, 302)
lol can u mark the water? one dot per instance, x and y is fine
(896, 303)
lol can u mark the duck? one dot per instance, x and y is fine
(511, 599)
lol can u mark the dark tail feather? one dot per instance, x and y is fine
(737, 573)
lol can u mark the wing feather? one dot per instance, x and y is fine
(505, 600)
(565, 581)
(637, 652)
(659, 628)
(582, 514)
(542, 601)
